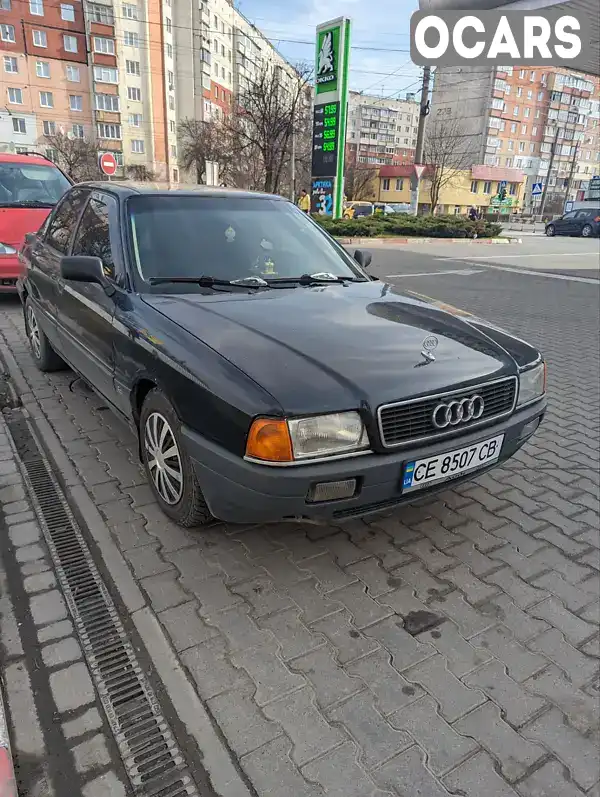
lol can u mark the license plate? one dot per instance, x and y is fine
(449, 465)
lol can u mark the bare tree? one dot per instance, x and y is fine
(270, 111)
(448, 149)
(202, 141)
(78, 157)
(140, 173)
(358, 181)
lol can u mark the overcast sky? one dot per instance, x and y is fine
(380, 59)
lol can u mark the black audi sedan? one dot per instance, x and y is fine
(266, 374)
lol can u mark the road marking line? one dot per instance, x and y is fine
(519, 270)
(541, 274)
(465, 272)
(558, 254)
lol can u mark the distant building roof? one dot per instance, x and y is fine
(497, 173)
(403, 170)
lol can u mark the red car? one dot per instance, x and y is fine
(30, 186)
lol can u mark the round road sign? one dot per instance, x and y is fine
(108, 163)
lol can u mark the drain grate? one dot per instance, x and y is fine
(155, 765)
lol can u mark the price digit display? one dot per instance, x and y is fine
(325, 139)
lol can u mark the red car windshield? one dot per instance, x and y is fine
(30, 185)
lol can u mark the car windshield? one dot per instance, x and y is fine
(30, 185)
(230, 238)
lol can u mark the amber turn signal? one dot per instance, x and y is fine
(269, 440)
(545, 375)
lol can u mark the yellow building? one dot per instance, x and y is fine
(476, 187)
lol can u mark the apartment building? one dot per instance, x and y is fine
(124, 74)
(44, 79)
(381, 131)
(515, 117)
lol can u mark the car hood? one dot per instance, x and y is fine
(15, 223)
(336, 347)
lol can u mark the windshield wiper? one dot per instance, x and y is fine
(28, 203)
(211, 282)
(321, 278)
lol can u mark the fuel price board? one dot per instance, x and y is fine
(325, 139)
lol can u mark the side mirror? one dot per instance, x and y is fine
(83, 268)
(363, 257)
(29, 238)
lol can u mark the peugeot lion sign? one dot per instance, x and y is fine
(326, 60)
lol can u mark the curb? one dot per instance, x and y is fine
(362, 241)
(8, 781)
(225, 777)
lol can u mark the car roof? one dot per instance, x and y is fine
(19, 157)
(125, 188)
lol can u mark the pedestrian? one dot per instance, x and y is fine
(304, 201)
(473, 214)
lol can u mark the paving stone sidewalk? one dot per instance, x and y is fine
(449, 648)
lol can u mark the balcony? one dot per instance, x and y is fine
(111, 117)
(110, 144)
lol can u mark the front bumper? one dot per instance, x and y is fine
(10, 271)
(238, 491)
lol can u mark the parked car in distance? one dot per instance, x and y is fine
(582, 221)
(30, 186)
(266, 374)
(383, 209)
(400, 207)
(356, 209)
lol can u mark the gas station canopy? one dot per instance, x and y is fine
(584, 9)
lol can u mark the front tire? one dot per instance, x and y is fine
(42, 352)
(551, 231)
(587, 231)
(168, 466)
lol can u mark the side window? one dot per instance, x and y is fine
(62, 225)
(570, 215)
(93, 236)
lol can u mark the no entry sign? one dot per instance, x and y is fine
(108, 163)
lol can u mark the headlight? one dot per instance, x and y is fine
(325, 435)
(5, 249)
(532, 384)
(278, 440)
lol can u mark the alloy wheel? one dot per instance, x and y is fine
(163, 458)
(34, 333)
(587, 231)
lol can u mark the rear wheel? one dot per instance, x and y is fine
(550, 230)
(587, 231)
(43, 354)
(168, 466)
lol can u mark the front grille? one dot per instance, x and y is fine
(411, 421)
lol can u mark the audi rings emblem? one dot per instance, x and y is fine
(460, 411)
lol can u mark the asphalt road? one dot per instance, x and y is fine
(576, 257)
(294, 637)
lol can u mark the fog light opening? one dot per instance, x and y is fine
(529, 428)
(331, 491)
